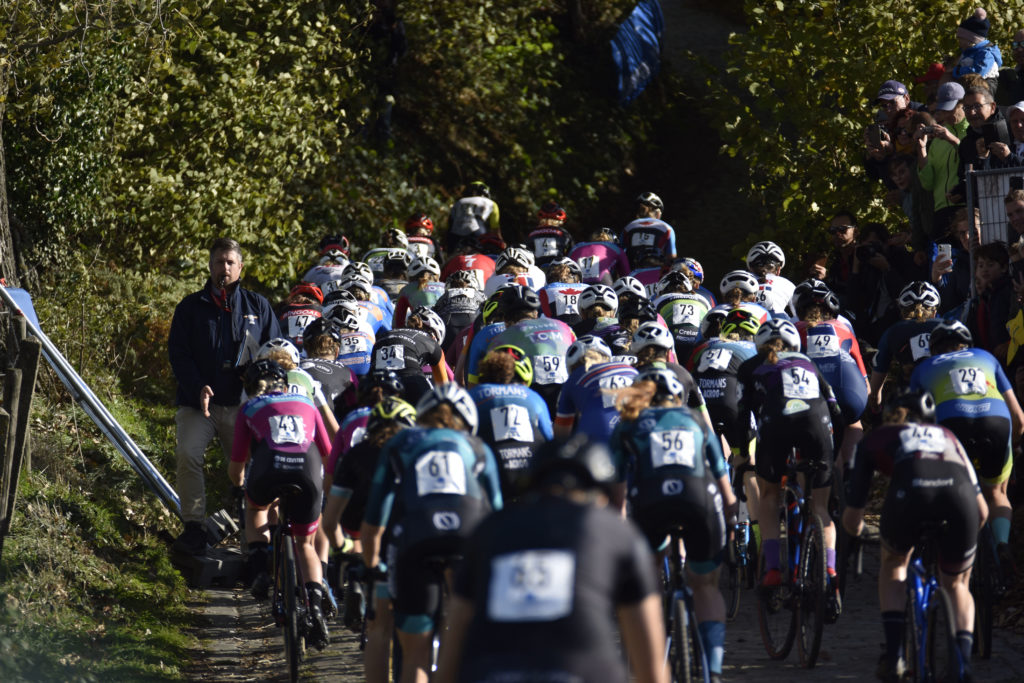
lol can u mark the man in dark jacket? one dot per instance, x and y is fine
(214, 334)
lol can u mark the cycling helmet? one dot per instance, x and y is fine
(741, 319)
(524, 367)
(577, 464)
(307, 289)
(764, 251)
(320, 327)
(599, 294)
(331, 242)
(551, 211)
(431, 320)
(417, 221)
(650, 199)
(279, 343)
(950, 332)
(478, 188)
(338, 296)
(335, 255)
(778, 329)
(424, 265)
(651, 334)
(517, 298)
(919, 292)
(396, 259)
(568, 263)
(388, 381)
(618, 340)
(641, 309)
(814, 291)
(918, 402)
(674, 281)
(265, 370)
(462, 279)
(743, 279)
(604, 234)
(455, 396)
(391, 409)
(695, 267)
(716, 316)
(578, 349)
(356, 282)
(512, 256)
(628, 286)
(360, 269)
(338, 310)
(667, 385)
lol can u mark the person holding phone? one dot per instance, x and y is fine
(937, 154)
(980, 109)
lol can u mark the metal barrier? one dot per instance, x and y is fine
(986, 190)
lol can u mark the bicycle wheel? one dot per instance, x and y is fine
(293, 623)
(941, 650)
(682, 655)
(775, 606)
(812, 586)
(732, 579)
(983, 580)
(911, 637)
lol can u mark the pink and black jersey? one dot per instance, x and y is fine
(601, 262)
(279, 423)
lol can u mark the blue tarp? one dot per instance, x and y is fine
(636, 49)
(24, 301)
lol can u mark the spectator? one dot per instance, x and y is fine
(215, 332)
(893, 99)
(977, 54)
(916, 202)
(839, 263)
(948, 110)
(937, 158)
(990, 310)
(953, 277)
(1014, 205)
(474, 215)
(1011, 79)
(980, 109)
(1011, 155)
(931, 80)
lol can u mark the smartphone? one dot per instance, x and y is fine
(874, 135)
(945, 252)
(991, 133)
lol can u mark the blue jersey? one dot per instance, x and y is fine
(833, 348)
(418, 465)
(906, 341)
(478, 348)
(381, 298)
(586, 394)
(968, 383)
(377, 318)
(665, 442)
(356, 351)
(511, 412)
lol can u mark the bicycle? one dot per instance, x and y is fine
(742, 566)
(684, 647)
(986, 588)
(797, 606)
(929, 644)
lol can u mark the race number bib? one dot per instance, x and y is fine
(532, 585)
(822, 345)
(672, 447)
(764, 296)
(924, 439)
(968, 380)
(567, 304)
(652, 290)
(511, 423)
(608, 386)
(685, 314)
(641, 239)
(355, 344)
(440, 472)
(591, 267)
(545, 246)
(799, 383)
(549, 370)
(297, 323)
(715, 359)
(920, 346)
(390, 358)
(420, 250)
(287, 429)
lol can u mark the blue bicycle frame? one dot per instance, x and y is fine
(922, 588)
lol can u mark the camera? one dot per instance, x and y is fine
(930, 130)
(866, 252)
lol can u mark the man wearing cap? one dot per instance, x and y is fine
(948, 111)
(893, 97)
(937, 148)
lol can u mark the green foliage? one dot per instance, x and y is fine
(799, 93)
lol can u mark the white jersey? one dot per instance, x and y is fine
(775, 294)
(471, 216)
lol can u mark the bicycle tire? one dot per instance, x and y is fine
(983, 580)
(682, 656)
(813, 584)
(775, 613)
(911, 638)
(733, 579)
(942, 652)
(292, 625)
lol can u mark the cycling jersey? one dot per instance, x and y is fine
(545, 341)
(473, 216)
(692, 397)
(334, 379)
(412, 297)
(378, 255)
(834, 349)
(351, 431)
(560, 300)
(715, 368)
(478, 264)
(775, 294)
(600, 262)
(355, 351)
(683, 311)
(390, 287)
(587, 394)
(405, 350)
(548, 243)
(529, 280)
(478, 349)
(649, 232)
(375, 316)
(649, 278)
(421, 247)
(382, 298)
(906, 342)
(352, 476)
(514, 421)
(457, 308)
(320, 275)
(293, 319)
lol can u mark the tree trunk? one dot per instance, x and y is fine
(7, 269)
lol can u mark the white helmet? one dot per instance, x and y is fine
(579, 348)
(424, 265)
(919, 292)
(651, 334)
(629, 285)
(743, 279)
(355, 281)
(455, 396)
(513, 256)
(778, 329)
(599, 294)
(360, 269)
(765, 250)
(279, 343)
(432, 320)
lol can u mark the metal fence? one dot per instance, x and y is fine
(986, 190)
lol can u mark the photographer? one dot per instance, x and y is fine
(881, 268)
(937, 159)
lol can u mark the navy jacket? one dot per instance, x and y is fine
(205, 340)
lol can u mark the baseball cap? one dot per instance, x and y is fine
(891, 90)
(934, 73)
(1019, 106)
(948, 95)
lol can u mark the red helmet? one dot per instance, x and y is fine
(551, 210)
(419, 220)
(309, 290)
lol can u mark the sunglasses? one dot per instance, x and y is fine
(1017, 43)
(836, 229)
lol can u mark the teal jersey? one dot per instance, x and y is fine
(666, 441)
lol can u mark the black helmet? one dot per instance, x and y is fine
(950, 332)
(478, 188)
(388, 380)
(518, 298)
(266, 370)
(579, 463)
(918, 402)
(810, 292)
(618, 339)
(320, 327)
(641, 309)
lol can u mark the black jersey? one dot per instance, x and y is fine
(335, 380)
(548, 243)
(405, 350)
(550, 571)
(293, 319)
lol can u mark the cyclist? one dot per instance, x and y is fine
(514, 419)
(697, 271)
(527, 585)
(303, 305)
(739, 289)
(459, 304)
(598, 306)
(419, 230)
(931, 480)
(975, 400)
(407, 351)
(514, 266)
(673, 467)
(648, 267)
(284, 353)
(473, 215)
(549, 240)
(423, 289)
(560, 297)
(766, 260)
(682, 308)
(373, 314)
(794, 406)
(468, 257)
(601, 259)
(511, 303)
(433, 483)
(356, 337)
(393, 274)
(394, 244)
(654, 347)
(337, 381)
(330, 266)
(586, 396)
(648, 230)
(378, 295)
(285, 437)
(905, 342)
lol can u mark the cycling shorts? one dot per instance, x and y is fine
(809, 431)
(987, 443)
(932, 491)
(270, 471)
(693, 503)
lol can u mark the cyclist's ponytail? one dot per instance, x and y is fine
(771, 350)
(634, 399)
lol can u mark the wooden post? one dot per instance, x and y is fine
(9, 475)
(28, 362)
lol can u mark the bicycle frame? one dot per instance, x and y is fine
(920, 587)
(675, 588)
